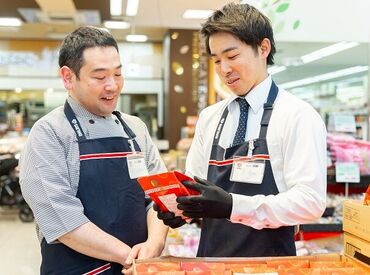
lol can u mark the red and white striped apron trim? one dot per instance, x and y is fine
(99, 269)
(231, 161)
(107, 155)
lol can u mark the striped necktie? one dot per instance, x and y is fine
(243, 118)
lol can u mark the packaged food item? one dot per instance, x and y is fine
(288, 263)
(164, 188)
(157, 266)
(161, 273)
(367, 196)
(201, 266)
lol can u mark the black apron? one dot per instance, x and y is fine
(111, 200)
(222, 238)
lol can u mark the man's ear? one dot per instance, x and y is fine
(265, 47)
(67, 76)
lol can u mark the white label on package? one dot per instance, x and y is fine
(248, 171)
(170, 202)
(136, 166)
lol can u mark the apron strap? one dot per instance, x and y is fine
(267, 109)
(129, 132)
(220, 126)
(76, 126)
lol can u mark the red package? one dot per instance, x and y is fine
(164, 188)
(288, 263)
(206, 272)
(157, 266)
(367, 196)
(202, 266)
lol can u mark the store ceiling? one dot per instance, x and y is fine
(52, 19)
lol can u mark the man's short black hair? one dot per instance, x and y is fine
(244, 22)
(73, 46)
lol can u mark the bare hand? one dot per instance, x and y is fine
(144, 250)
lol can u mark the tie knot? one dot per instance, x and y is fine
(243, 104)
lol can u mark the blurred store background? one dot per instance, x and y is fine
(323, 56)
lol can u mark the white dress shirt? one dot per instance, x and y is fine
(296, 140)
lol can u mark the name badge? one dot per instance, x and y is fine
(136, 166)
(248, 171)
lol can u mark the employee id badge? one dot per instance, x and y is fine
(245, 171)
(136, 166)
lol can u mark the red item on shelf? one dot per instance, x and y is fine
(201, 266)
(367, 196)
(157, 266)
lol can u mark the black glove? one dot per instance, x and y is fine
(213, 201)
(168, 218)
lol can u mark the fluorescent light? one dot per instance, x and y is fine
(324, 77)
(136, 38)
(276, 69)
(197, 14)
(131, 8)
(116, 24)
(335, 48)
(10, 22)
(116, 7)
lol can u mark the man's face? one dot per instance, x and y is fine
(100, 82)
(237, 64)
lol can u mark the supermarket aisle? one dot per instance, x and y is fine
(19, 247)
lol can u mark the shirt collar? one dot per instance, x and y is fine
(257, 96)
(81, 111)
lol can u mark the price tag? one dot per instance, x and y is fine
(344, 123)
(347, 172)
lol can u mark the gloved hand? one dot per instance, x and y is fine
(168, 218)
(213, 201)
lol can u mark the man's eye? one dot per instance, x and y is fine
(217, 61)
(118, 74)
(233, 57)
(99, 77)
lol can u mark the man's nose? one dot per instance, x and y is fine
(225, 68)
(111, 84)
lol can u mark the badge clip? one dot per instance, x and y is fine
(250, 148)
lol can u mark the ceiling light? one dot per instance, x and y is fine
(136, 38)
(116, 7)
(276, 69)
(116, 24)
(197, 14)
(10, 22)
(131, 8)
(335, 48)
(324, 77)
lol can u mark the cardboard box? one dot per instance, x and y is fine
(357, 248)
(356, 219)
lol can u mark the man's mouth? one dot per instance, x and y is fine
(231, 81)
(108, 97)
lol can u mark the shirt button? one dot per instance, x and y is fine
(91, 121)
(116, 120)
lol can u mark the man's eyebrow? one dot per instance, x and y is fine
(104, 69)
(225, 50)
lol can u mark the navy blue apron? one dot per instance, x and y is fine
(222, 238)
(111, 200)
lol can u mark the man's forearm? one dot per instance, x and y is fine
(90, 240)
(157, 231)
